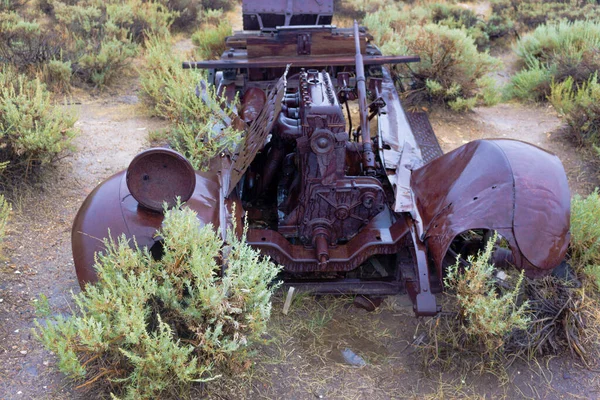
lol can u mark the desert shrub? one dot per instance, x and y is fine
(12, 5)
(191, 12)
(585, 229)
(499, 26)
(580, 107)
(99, 49)
(97, 39)
(210, 40)
(5, 211)
(457, 17)
(394, 20)
(24, 43)
(451, 70)
(32, 130)
(555, 53)
(108, 62)
(152, 326)
(200, 120)
(358, 9)
(57, 75)
(211, 17)
(524, 15)
(188, 12)
(488, 317)
(491, 318)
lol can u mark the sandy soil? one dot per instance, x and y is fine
(303, 355)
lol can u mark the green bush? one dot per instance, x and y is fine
(26, 43)
(488, 317)
(108, 62)
(32, 130)
(555, 53)
(57, 75)
(212, 17)
(5, 211)
(11, 5)
(585, 229)
(200, 128)
(97, 39)
(528, 14)
(458, 17)
(451, 71)
(580, 107)
(210, 40)
(386, 22)
(151, 327)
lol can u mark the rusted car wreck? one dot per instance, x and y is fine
(367, 205)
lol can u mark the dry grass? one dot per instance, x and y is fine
(301, 355)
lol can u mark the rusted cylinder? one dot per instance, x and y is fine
(253, 101)
(321, 243)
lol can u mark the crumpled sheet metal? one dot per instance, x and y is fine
(509, 186)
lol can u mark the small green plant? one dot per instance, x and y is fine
(580, 107)
(210, 40)
(488, 316)
(585, 229)
(32, 130)
(42, 306)
(150, 326)
(199, 130)
(5, 211)
(212, 17)
(57, 75)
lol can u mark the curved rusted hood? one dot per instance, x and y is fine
(510, 186)
(110, 206)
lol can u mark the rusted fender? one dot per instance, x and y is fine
(509, 186)
(111, 206)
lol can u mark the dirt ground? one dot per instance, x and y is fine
(310, 352)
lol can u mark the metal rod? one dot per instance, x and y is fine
(310, 61)
(368, 155)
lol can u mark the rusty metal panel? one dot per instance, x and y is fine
(424, 136)
(510, 186)
(257, 134)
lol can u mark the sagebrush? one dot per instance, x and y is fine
(210, 40)
(151, 327)
(452, 71)
(579, 104)
(199, 116)
(33, 131)
(585, 229)
(96, 40)
(487, 315)
(529, 14)
(554, 53)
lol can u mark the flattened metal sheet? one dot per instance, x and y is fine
(257, 134)
(423, 132)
